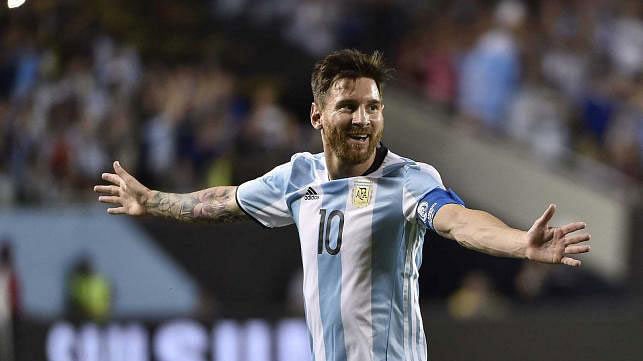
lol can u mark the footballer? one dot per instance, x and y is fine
(361, 212)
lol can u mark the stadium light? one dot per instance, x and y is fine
(14, 3)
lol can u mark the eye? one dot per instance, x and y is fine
(374, 107)
(347, 108)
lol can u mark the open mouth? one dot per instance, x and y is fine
(359, 138)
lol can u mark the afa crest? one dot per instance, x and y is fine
(362, 192)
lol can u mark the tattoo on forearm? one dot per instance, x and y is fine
(213, 205)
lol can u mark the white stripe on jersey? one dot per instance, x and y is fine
(310, 211)
(405, 298)
(415, 297)
(414, 350)
(355, 256)
(416, 301)
(409, 203)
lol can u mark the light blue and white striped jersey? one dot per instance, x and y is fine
(361, 246)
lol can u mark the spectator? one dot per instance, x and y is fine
(489, 72)
(566, 61)
(89, 293)
(269, 126)
(476, 299)
(8, 301)
(439, 64)
(625, 40)
(624, 139)
(312, 26)
(538, 116)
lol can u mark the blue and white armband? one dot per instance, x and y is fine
(431, 202)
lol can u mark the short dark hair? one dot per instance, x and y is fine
(347, 63)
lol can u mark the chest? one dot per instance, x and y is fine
(345, 215)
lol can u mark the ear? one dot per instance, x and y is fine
(315, 116)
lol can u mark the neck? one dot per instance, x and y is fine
(340, 169)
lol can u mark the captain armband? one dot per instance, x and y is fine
(431, 202)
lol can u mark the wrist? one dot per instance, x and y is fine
(148, 195)
(525, 249)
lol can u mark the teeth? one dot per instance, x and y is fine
(359, 137)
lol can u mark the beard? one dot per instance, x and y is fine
(351, 153)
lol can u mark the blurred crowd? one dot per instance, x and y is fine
(66, 115)
(560, 76)
(84, 83)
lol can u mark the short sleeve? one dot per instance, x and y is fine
(263, 198)
(419, 179)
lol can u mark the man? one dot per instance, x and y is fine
(8, 301)
(362, 212)
(89, 293)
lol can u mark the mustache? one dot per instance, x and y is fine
(360, 131)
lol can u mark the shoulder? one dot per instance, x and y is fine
(304, 168)
(398, 166)
(419, 169)
(412, 169)
(420, 178)
(306, 157)
(297, 160)
(307, 162)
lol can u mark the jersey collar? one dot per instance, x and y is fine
(380, 153)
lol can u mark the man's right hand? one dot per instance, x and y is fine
(128, 194)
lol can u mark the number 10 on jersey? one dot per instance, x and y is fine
(324, 231)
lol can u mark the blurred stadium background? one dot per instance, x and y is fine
(517, 103)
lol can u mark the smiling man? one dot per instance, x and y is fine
(361, 212)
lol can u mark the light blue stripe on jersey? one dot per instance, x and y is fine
(302, 174)
(387, 243)
(310, 336)
(329, 273)
(395, 341)
(419, 182)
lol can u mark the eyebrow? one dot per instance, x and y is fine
(344, 102)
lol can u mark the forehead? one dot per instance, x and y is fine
(360, 88)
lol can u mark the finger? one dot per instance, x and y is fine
(106, 189)
(577, 239)
(121, 171)
(577, 249)
(117, 210)
(570, 262)
(573, 227)
(112, 178)
(546, 217)
(110, 199)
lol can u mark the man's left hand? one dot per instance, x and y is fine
(555, 244)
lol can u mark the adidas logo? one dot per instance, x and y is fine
(311, 194)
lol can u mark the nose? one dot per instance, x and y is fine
(360, 117)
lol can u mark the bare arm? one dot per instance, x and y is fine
(481, 231)
(212, 205)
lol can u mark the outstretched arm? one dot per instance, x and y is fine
(212, 205)
(481, 231)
